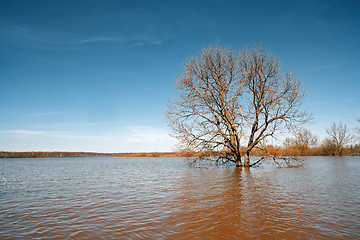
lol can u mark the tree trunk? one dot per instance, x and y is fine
(238, 160)
(340, 151)
(247, 159)
(238, 163)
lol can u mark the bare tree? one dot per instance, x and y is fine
(340, 135)
(273, 99)
(228, 99)
(207, 114)
(306, 138)
(357, 130)
(303, 139)
(328, 147)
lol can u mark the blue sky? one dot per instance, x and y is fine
(97, 75)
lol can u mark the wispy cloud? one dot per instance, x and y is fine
(97, 123)
(324, 67)
(80, 137)
(15, 31)
(42, 114)
(90, 40)
(336, 101)
(58, 135)
(134, 41)
(22, 132)
(28, 34)
(126, 139)
(141, 134)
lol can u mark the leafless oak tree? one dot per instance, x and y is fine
(340, 135)
(228, 100)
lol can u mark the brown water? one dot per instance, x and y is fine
(162, 198)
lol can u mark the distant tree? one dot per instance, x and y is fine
(328, 147)
(289, 142)
(306, 138)
(340, 135)
(303, 140)
(228, 99)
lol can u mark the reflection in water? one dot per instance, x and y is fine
(234, 203)
(162, 198)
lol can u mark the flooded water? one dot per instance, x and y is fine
(163, 198)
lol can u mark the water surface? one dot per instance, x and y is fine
(163, 198)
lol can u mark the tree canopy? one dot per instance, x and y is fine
(232, 102)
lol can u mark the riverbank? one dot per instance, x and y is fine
(271, 150)
(8, 154)
(5, 154)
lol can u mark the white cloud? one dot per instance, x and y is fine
(22, 132)
(138, 134)
(129, 139)
(80, 137)
(97, 123)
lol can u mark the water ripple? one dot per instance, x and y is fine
(162, 198)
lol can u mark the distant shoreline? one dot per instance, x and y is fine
(8, 154)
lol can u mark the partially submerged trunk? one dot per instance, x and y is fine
(247, 160)
(238, 162)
